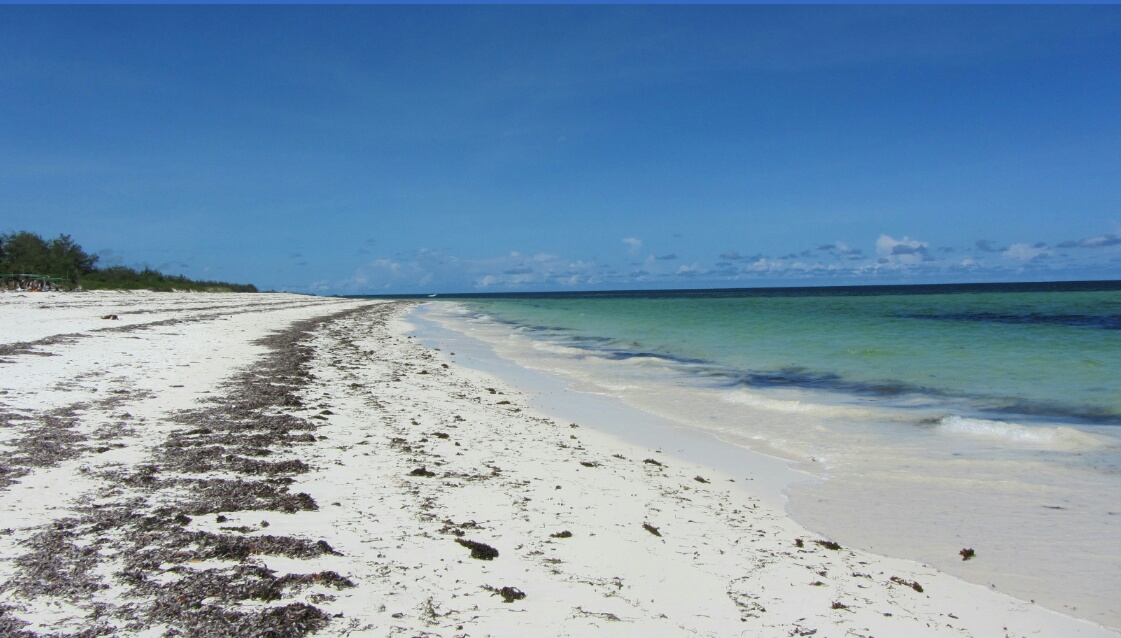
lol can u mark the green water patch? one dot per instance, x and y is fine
(1053, 358)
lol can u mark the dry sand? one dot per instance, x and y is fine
(275, 465)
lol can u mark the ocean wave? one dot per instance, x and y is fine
(775, 405)
(1060, 437)
(554, 348)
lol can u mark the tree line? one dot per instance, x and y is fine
(27, 253)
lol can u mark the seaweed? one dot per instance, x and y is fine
(509, 594)
(907, 583)
(142, 543)
(57, 566)
(480, 551)
(289, 621)
(599, 614)
(48, 441)
(223, 495)
(11, 626)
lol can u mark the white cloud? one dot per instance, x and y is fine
(432, 270)
(1100, 241)
(904, 251)
(388, 264)
(1026, 252)
(764, 265)
(806, 267)
(887, 245)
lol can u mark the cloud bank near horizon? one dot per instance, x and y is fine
(892, 260)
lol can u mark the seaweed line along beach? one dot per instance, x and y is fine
(285, 465)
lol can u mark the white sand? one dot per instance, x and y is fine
(77, 428)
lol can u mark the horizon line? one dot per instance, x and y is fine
(1076, 285)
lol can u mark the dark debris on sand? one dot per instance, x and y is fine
(46, 440)
(509, 594)
(480, 551)
(19, 348)
(235, 453)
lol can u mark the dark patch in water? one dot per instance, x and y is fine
(626, 355)
(975, 404)
(1102, 322)
(969, 404)
(800, 377)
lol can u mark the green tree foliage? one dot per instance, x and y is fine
(124, 278)
(28, 253)
(25, 252)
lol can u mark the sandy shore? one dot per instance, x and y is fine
(276, 465)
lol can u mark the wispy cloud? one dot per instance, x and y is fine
(1099, 241)
(428, 270)
(1026, 252)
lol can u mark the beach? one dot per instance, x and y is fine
(282, 465)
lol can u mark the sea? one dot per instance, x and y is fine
(927, 419)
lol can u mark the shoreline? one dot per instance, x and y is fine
(413, 463)
(867, 489)
(771, 476)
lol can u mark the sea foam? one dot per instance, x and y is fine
(1060, 437)
(776, 405)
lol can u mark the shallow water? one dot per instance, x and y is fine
(936, 422)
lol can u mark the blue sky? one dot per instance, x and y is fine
(379, 149)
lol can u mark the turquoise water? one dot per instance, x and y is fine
(1029, 356)
(985, 419)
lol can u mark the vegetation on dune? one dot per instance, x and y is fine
(27, 253)
(124, 278)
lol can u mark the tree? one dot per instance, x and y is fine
(67, 259)
(26, 252)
